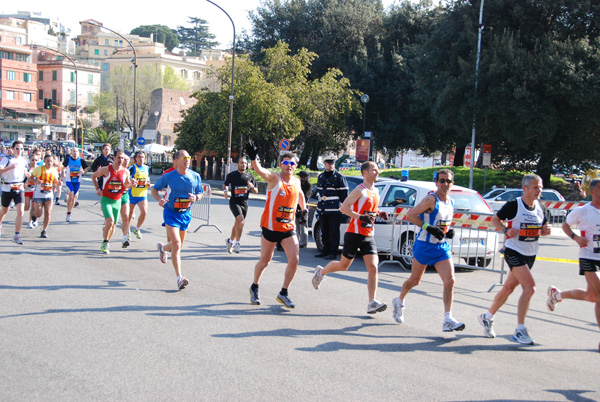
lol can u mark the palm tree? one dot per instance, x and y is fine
(99, 136)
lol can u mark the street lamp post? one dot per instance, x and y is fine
(76, 91)
(134, 61)
(365, 99)
(480, 26)
(231, 94)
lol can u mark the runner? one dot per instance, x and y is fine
(29, 187)
(361, 206)
(587, 218)
(184, 187)
(240, 182)
(13, 169)
(104, 159)
(46, 179)
(74, 168)
(138, 195)
(278, 222)
(117, 182)
(59, 168)
(125, 217)
(526, 221)
(434, 216)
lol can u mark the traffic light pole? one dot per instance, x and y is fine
(76, 120)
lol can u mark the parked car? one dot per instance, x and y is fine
(475, 247)
(496, 202)
(493, 193)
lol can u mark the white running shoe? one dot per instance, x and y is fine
(17, 239)
(552, 300)
(522, 336)
(375, 306)
(68, 218)
(229, 244)
(318, 277)
(450, 324)
(398, 310)
(488, 326)
(30, 226)
(236, 247)
(162, 254)
(35, 223)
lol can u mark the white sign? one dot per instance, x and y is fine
(487, 159)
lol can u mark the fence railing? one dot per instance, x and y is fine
(201, 209)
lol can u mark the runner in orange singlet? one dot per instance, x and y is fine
(278, 221)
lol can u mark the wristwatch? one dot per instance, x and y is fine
(504, 230)
(573, 235)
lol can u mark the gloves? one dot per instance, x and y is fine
(251, 150)
(450, 234)
(434, 231)
(383, 215)
(303, 217)
(367, 218)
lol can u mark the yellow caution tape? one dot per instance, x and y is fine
(558, 260)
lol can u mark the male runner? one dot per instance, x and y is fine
(74, 168)
(184, 187)
(434, 216)
(138, 195)
(587, 218)
(102, 160)
(240, 182)
(29, 187)
(13, 169)
(278, 221)
(117, 182)
(526, 221)
(361, 206)
(125, 217)
(46, 179)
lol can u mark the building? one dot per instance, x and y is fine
(19, 116)
(61, 80)
(33, 28)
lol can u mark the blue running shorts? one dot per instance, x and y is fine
(179, 220)
(430, 254)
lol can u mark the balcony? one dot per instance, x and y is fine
(17, 115)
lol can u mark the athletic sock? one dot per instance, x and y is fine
(521, 326)
(284, 292)
(489, 316)
(448, 316)
(559, 296)
(33, 219)
(254, 286)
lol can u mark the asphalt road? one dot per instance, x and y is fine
(78, 325)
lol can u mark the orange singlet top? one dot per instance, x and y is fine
(367, 203)
(280, 209)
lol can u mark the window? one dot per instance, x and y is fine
(27, 77)
(96, 52)
(116, 43)
(54, 96)
(106, 42)
(72, 97)
(40, 76)
(54, 113)
(19, 41)
(23, 57)
(400, 195)
(105, 52)
(54, 75)
(6, 55)
(105, 66)
(11, 75)
(27, 97)
(91, 79)
(40, 94)
(73, 75)
(10, 95)
(90, 98)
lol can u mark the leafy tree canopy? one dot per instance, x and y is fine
(162, 34)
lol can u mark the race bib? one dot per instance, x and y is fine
(530, 232)
(444, 225)
(181, 204)
(284, 214)
(596, 243)
(141, 183)
(366, 224)
(74, 174)
(16, 186)
(46, 188)
(114, 187)
(240, 191)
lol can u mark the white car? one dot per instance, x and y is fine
(496, 201)
(475, 247)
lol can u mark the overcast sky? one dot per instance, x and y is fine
(123, 15)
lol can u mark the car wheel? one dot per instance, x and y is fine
(405, 246)
(478, 261)
(318, 236)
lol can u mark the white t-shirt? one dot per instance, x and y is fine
(587, 218)
(15, 177)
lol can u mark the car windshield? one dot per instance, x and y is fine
(469, 202)
(494, 193)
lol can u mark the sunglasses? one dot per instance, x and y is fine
(443, 181)
(186, 158)
(291, 163)
(20, 149)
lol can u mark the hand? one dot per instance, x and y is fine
(192, 197)
(435, 232)
(251, 150)
(303, 217)
(383, 215)
(450, 234)
(367, 218)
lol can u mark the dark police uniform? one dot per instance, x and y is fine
(333, 190)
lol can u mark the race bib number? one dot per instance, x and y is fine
(444, 225)
(141, 183)
(74, 175)
(284, 214)
(529, 232)
(367, 224)
(114, 187)
(46, 188)
(181, 204)
(240, 191)
(16, 187)
(596, 243)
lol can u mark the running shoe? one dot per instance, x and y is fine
(375, 306)
(398, 310)
(105, 247)
(125, 242)
(236, 247)
(182, 283)
(137, 232)
(254, 297)
(285, 300)
(229, 244)
(57, 202)
(0, 230)
(30, 226)
(17, 239)
(35, 223)
(68, 218)
(450, 324)
(552, 300)
(488, 326)
(317, 278)
(522, 336)
(162, 253)
(43, 235)
(76, 204)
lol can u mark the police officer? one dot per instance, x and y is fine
(333, 190)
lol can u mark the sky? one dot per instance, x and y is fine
(123, 16)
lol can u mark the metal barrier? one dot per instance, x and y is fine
(476, 243)
(557, 211)
(201, 209)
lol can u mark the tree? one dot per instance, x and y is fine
(99, 136)
(198, 37)
(162, 34)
